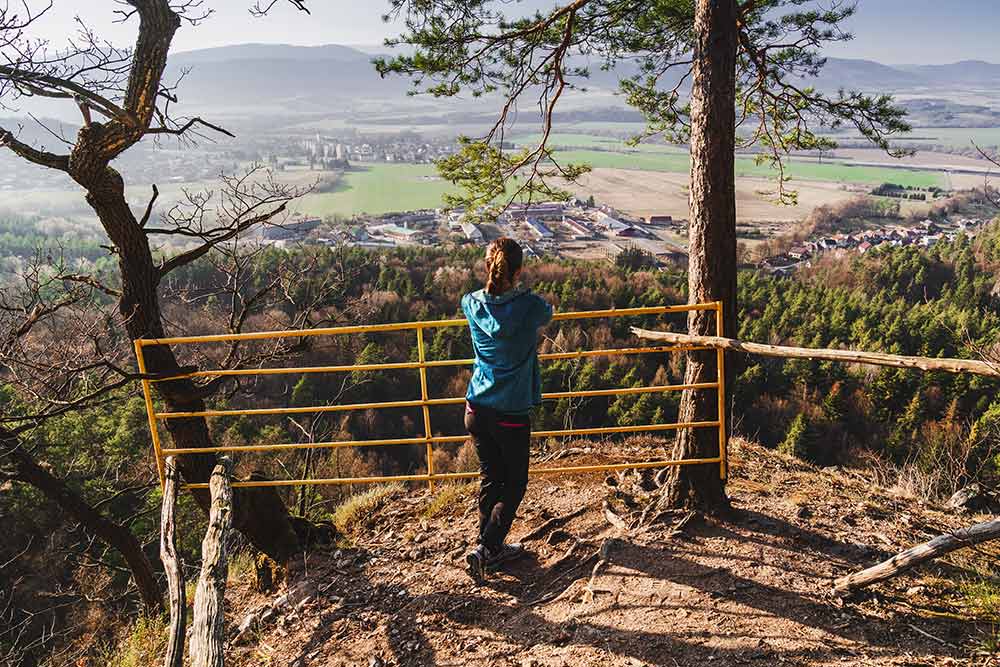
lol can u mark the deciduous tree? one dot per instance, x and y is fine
(123, 98)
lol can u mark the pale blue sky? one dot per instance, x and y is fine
(890, 31)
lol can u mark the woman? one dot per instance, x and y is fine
(506, 384)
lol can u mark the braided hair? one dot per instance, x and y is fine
(503, 259)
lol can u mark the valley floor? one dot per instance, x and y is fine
(748, 590)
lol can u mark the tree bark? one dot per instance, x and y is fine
(174, 569)
(208, 627)
(115, 535)
(939, 546)
(258, 513)
(712, 243)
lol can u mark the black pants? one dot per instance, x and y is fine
(503, 445)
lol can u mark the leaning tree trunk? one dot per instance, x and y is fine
(115, 535)
(258, 513)
(712, 242)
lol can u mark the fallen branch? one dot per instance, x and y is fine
(552, 523)
(939, 546)
(613, 518)
(605, 553)
(848, 356)
(930, 636)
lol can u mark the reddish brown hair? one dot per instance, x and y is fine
(504, 258)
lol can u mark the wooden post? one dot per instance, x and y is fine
(207, 632)
(173, 567)
(973, 366)
(939, 546)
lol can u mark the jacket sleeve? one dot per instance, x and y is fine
(541, 312)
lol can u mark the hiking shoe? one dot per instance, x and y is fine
(476, 563)
(505, 554)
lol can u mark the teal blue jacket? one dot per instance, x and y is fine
(504, 328)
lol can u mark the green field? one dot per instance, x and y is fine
(957, 137)
(803, 170)
(380, 188)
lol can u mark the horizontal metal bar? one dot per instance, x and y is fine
(407, 326)
(419, 402)
(630, 390)
(461, 475)
(621, 350)
(423, 439)
(296, 446)
(604, 430)
(291, 370)
(291, 411)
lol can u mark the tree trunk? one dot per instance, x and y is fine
(115, 535)
(939, 546)
(258, 513)
(208, 627)
(174, 569)
(712, 243)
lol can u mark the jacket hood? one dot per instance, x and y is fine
(501, 315)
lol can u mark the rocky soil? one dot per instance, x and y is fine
(751, 588)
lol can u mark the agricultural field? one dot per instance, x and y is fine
(379, 188)
(956, 137)
(677, 162)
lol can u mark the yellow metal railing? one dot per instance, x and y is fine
(425, 402)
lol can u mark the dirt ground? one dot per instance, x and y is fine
(749, 589)
(647, 193)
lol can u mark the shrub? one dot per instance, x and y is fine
(143, 645)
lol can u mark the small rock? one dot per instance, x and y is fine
(916, 590)
(967, 498)
(376, 661)
(298, 662)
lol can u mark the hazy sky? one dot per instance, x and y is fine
(890, 31)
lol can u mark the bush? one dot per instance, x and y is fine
(800, 441)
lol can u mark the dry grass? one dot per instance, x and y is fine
(142, 646)
(355, 509)
(448, 497)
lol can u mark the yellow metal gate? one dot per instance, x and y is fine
(428, 439)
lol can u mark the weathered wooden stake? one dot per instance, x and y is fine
(173, 567)
(939, 546)
(208, 628)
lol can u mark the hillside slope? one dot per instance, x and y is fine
(751, 589)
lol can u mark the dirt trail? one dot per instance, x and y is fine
(747, 590)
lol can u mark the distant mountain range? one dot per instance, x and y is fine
(262, 74)
(248, 72)
(871, 76)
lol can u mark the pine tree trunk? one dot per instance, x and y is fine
(208, 627)
(115, 535)
(174, 569)
(712, 243)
